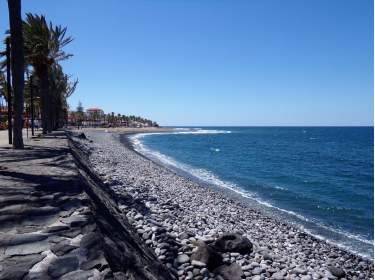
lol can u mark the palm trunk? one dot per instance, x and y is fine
(32, 104)
(17, 60)
(9, 93)
(43, 77)
(51, 115)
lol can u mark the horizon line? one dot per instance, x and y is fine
(267, 125)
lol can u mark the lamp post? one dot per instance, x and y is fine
(9, 86)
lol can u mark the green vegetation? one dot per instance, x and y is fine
(96, 117)
(36, 48)
(43, 45)
(39, 87)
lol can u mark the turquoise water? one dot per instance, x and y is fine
(320, 178)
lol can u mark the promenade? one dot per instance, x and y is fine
(47, 230)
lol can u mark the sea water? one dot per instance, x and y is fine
(318, 178)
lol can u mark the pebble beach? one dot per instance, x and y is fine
(200, 233)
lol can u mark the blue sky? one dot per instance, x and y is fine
(264, 62)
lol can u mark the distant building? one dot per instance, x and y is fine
(94, 113)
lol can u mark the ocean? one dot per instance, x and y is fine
(318, 178)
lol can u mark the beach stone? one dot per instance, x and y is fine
(181, 259)
(267, 257)
(338, 272)
(198, 263)
(278, 275)
(256, 271)
(207, 255)
(229, 272)
(233, 242)
(246, 267)
(204, 271)
(196, 271)
(63, 265)
(299, 270)
(138, 217)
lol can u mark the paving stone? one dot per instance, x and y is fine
(15, 239)
(76, 220)
(77, 275)
(28, 248)
(62, 248)
(18, 266)
(63, 265)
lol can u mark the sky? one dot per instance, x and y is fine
(217, 62)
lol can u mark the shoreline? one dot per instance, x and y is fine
(325, 254)
(291, 218)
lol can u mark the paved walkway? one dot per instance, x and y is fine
(47, 230)
(4, 140)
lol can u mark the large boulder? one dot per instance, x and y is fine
(206, 254)
(233, 242)
(230, 272)
(82, 136)
(336, 271)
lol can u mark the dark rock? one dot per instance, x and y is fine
(184, 235)
(206, 254)
(233, 242)
(63, 265)
(338, 272)
(230, 272)
(267, 257)
(81, 136)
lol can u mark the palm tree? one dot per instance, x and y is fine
(60, 89)
(17, 60)
(3, 86)
(43, 47)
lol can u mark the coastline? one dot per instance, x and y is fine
(339, 238)
(310, 255)
(128, 130)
